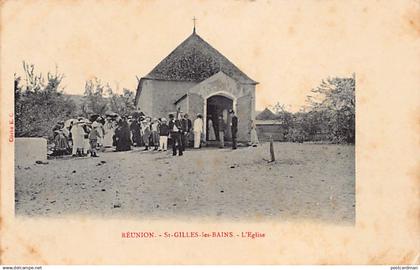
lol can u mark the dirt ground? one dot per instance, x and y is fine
(307, 181)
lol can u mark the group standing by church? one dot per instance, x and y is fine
(82, 137)
(193, 60)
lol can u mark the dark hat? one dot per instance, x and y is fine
(171, 115)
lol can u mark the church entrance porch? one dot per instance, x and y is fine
(216, 106)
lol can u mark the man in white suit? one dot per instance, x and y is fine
(198, 129)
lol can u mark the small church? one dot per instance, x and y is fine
(196, 78)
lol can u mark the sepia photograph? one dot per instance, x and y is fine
(189, 140)
(209, 132)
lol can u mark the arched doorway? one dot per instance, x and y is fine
(217, 105)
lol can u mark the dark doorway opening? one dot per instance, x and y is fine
(218, 105)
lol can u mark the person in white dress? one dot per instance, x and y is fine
(198, 129)
(77, 134)
(254, 136)
(212, 134)
(100, 128)
(86, 131)
(109, 130)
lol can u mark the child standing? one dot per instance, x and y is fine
(94, 135)
(146, 133)
(164, 133)
(155, 133)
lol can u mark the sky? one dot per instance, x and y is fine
(287, 46)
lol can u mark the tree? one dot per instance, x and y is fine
(335, 101)
(330, 109)
(122, 104)
(94, 101)
(39, 103)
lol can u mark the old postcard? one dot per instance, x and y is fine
(210, 132)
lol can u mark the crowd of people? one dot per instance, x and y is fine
(82, 137)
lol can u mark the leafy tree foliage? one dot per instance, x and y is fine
(329, 114)
(100, 98)
(334, 103)
(122, 104)
(94, 101)
(39, 103)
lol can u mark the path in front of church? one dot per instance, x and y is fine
(307, 182)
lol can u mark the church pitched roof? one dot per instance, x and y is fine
(195, 60)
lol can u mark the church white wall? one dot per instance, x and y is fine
(145, 103)
(183, 105)
(250, 88)
(165, 93)
(195, 105)
(246, 112)
(158, 97)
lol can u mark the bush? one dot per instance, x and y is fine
(330, 114)
(39, 103)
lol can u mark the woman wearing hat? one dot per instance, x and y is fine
(122, 134)
(60, 142)
(109, 131)
(77, 134)
(135, 132)
(57, 126)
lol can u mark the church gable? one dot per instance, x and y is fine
(216, 83)
(195, 60)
